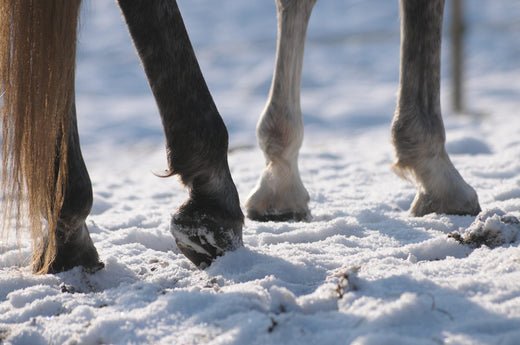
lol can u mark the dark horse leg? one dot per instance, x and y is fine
(418, 130)
(210, 222)
(74, 246)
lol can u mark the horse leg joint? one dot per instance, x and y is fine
(279, 194)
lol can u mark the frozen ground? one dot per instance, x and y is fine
(362, 272)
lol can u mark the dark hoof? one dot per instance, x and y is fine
(89, 268)
(74, 250)
(96, 267)
(279, 217)
(202, 235)
(89, 265)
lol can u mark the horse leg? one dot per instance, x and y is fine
(210, 222)
(74, 246)
(279, 194)
(418, 131)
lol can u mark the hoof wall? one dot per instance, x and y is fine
(279, 217)
(424, 204)
(203, 237)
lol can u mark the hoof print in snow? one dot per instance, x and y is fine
(491, 228)
(203, 237)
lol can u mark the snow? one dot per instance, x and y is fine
(362, 271)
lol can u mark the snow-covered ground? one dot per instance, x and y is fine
(362, 271)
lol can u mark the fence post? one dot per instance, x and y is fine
(457, 54)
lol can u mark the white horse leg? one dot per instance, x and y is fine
(417, 129)
(279, 194)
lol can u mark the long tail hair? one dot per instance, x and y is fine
(37, 63)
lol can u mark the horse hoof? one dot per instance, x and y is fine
(64, 262)
(303, 216)
(91, 265)
(98, 266)
(278, 199)
(457, 204)
(202, 234)
(74, 248)
(68, 258)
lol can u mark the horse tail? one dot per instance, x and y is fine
(37, 63)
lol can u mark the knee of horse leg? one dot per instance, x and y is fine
(280, 132)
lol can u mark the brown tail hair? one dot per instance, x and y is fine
(37, 63)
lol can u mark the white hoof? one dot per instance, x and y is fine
(278, 196)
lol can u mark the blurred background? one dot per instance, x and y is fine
(350, 76)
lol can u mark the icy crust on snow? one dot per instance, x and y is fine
(362, 271)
